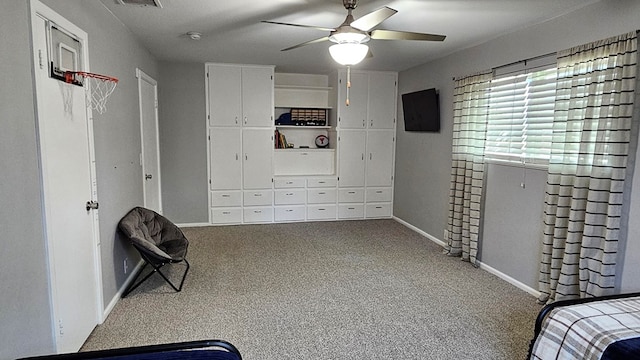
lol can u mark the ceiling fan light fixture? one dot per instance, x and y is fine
(349, 37)
(348, 53)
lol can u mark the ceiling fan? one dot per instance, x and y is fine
(353, 33)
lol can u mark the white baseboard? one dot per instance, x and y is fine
(421, 232)
(185, 225)
(124, 286)
(510, 280)
(520, 285)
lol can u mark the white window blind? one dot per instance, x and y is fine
(520, 121)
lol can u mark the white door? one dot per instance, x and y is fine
(225, 95)
(257, 96)
(380, 157)
(353, 116)
(225, 159)
(257, 148)
(351, 158)
(382, 111)
(150, 154)
(65, 149)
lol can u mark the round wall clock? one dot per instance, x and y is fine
(322, 141)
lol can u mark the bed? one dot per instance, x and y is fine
(606, 328)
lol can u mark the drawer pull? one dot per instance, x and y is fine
(379, 192)
(289, 210)
(289, 194)
(351, 208)
(351, 192)
(378, 207)
(226, 195)
(322, 193)
(322, 209)
(258, 194)
(226, 213)
(257, 211)
(321, 182)
(289, 182)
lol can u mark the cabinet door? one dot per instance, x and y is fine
(351, 158)
(380, 147)
(353, 116)
(382, 108)
(257, 96)
(225, 158)
(257, 147)
(225, 95)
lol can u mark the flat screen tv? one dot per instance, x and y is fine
(421, 111)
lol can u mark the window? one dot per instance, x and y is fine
(520, 121)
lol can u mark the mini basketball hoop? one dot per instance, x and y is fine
(99, 87)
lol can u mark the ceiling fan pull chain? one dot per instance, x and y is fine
(348, 84)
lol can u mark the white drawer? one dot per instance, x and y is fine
(226, 215)
(350, 195)
(321, 196)
(321, 183)
(290, 196)
(285, 183)
(290, 213)
(351, 211)
(258, 197)
(226, 198)
(381, 210)
(378, 194)
(321, 212)
(258, 214)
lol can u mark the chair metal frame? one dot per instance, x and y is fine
(156, 269)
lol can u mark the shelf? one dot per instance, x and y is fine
(305, 150)
(298, 106)
(301, 127)
(304, 87)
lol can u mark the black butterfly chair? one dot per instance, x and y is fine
(193, 350)
(158, 240)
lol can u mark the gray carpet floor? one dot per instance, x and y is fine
(327, 290)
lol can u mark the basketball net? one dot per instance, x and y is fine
(98, 88)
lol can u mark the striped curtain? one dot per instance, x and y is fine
(587, 169)
(471, 108)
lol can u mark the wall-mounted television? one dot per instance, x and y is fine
(421, 111)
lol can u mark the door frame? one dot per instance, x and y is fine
(142, 76)
(39, 10)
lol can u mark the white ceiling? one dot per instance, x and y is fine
(232, 31)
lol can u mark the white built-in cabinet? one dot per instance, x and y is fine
(366, 143)
(252, 182)
(240, 134)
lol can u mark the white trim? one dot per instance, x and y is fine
(124, 286)
(509, 279)
(428, 236)
(483, 266)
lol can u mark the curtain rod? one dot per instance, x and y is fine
(519, 61)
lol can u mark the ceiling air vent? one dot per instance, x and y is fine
(154, 3)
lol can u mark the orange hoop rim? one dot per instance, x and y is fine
(93, 75)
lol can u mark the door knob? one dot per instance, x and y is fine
(92, 205)
(148, 176)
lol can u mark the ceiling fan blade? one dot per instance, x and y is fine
(298, 25)
(326, 38)
(373, 19)
(404, 35)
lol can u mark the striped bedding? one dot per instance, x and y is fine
(587, 330)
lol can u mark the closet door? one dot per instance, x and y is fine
(380, 149)
(353, 116)
(225, 158)
(383, 95)
(257, 96)
(257, 148)
(351, 158)
(225, 95)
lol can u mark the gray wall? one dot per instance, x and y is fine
(422, 182)
(25, 316)
(183, 145)
(25, 313)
